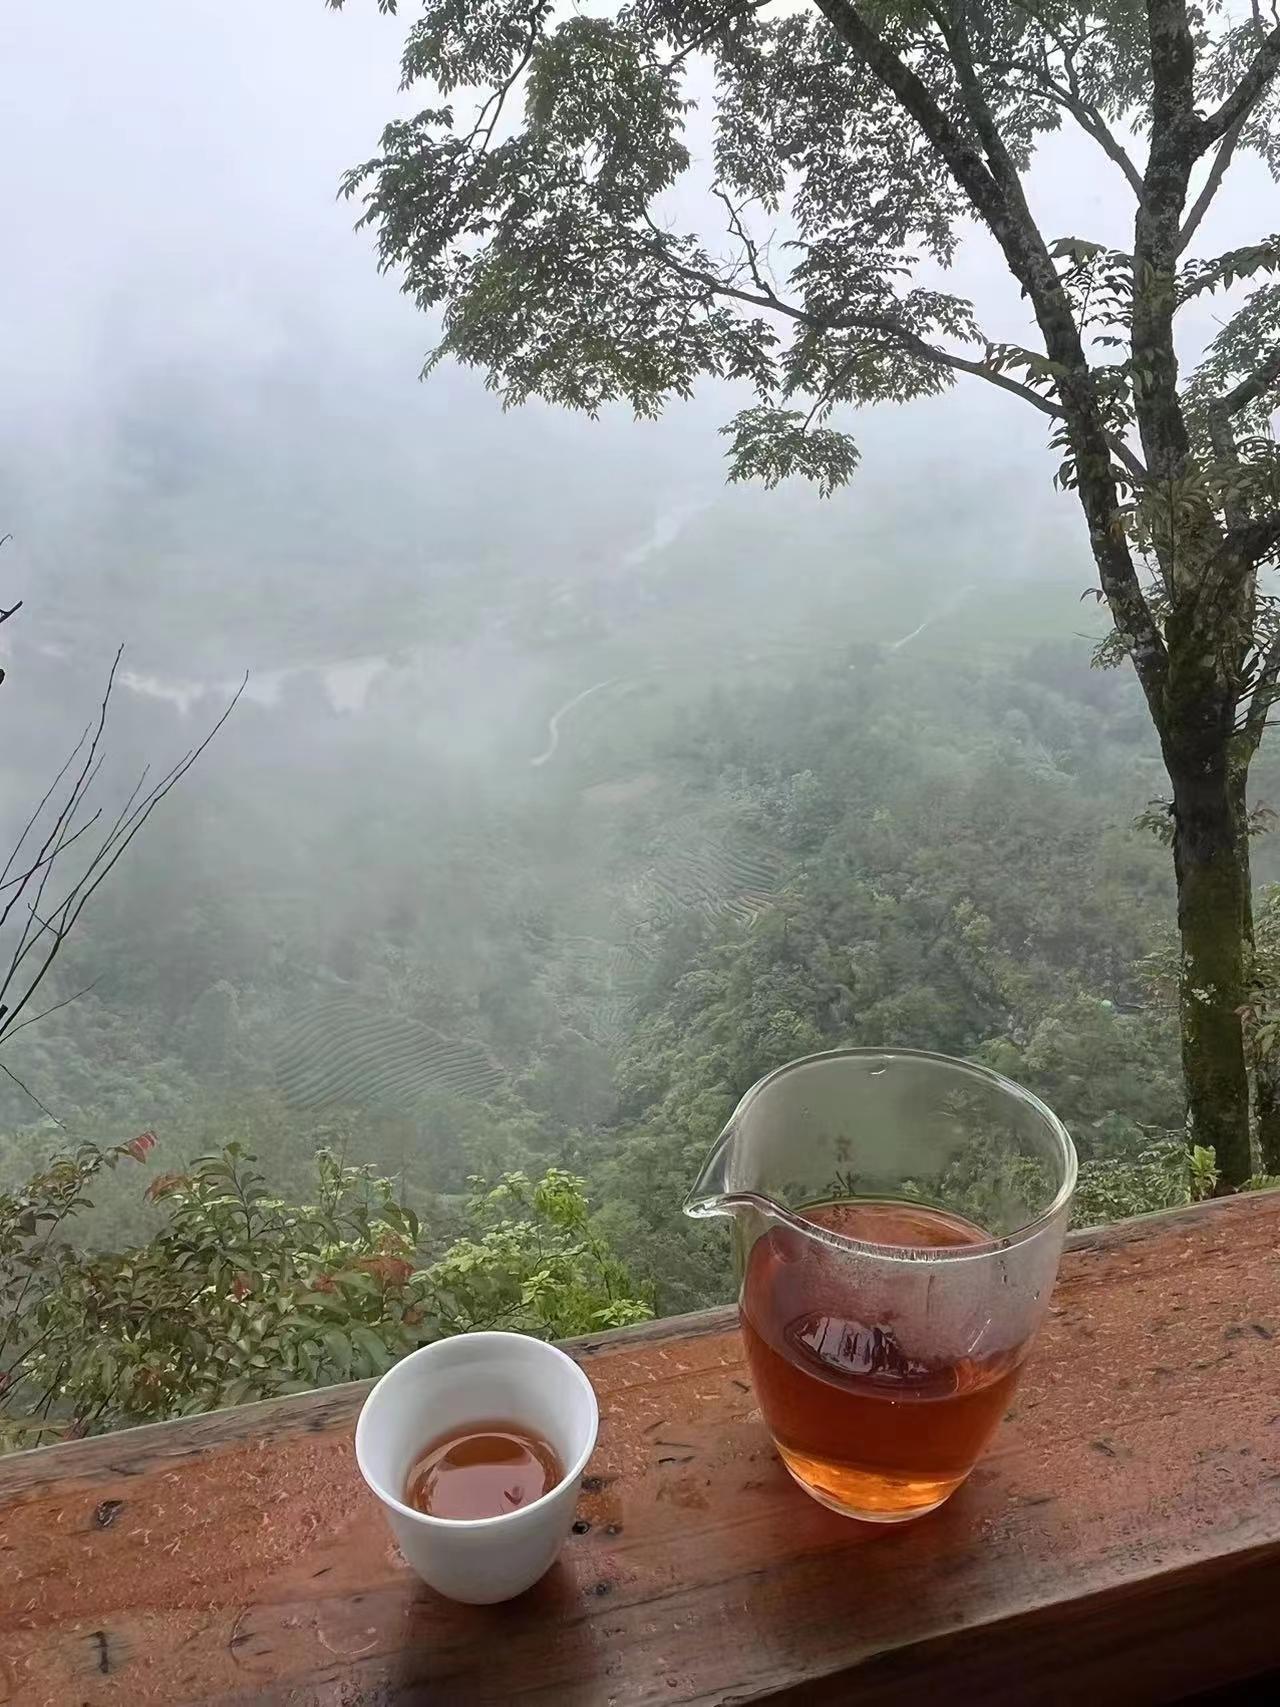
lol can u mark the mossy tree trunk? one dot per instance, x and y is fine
(1211, 863)
(1208, 769)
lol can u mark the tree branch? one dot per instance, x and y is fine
(1246, 94)
(967, 166)
(1091, 121)
(492, 108)
(53, 1007)
(1223, 439)
(981, 370)
(34, 818)
(1263, 377)
(13, 609)
(1211, 186)
(1239, 551)
(995, 193)
(951, 26)
(66, 813)
(23, 877)
(749, 245)
(1173, 68)
(902, 336)
(712, 32)
(27, 1091)
(1086, 114)
(1162, 427)
(1253, 540)
(765, 298)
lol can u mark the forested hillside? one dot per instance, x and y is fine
(837, 827)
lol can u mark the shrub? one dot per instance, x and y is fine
(241, 1295)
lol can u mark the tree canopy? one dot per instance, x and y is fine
(565, 271)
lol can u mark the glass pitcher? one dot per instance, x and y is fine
(898, 1218)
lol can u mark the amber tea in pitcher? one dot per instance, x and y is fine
(885, 1318)
(860, 1421)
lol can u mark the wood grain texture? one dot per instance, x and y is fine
(1120, 1543)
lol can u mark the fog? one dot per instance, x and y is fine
(489, 757)
(212, 397)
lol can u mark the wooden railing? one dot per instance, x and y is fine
(1120, 1542)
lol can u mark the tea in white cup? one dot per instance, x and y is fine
(443, 1400)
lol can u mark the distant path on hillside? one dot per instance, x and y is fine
(947, 608)
(553, 723)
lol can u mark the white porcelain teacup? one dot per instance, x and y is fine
(443, 1387)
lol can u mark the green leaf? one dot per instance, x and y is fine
(338, 1346)
(368, 1342)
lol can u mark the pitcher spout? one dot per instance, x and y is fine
(741, 1176)
(710, 1194)
(720, 1189)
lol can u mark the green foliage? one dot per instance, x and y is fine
(1164, 1176)
(542, 224)
(241, 1295)
(1262, 1017)
(1202, 1166)
(1112, 1076)
(771, 445)
(533, 1264)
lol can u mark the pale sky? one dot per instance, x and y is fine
(171, 223)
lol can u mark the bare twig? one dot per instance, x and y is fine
(13, 1030)
(72, 802)
(13, 609)
(63, 832)
(32, 820)
(45, 929)
(749, 245)
(26, 1089)
(24, 876)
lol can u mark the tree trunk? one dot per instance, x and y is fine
(1211, 864)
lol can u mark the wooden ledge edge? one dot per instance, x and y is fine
(127, 1451)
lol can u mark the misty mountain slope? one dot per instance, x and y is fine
(402, 912)
(341, 1052)
(707, 867)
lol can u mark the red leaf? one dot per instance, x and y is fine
(141, 1146)
(391, 1271)
(162, 1185)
